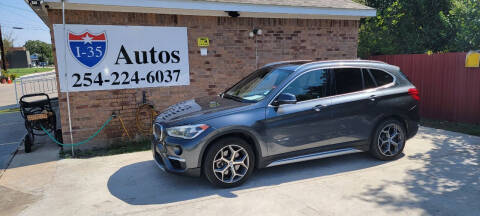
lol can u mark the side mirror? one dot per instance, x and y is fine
(285, 98)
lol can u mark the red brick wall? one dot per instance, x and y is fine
(231, 56)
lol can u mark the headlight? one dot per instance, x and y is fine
(187, 131)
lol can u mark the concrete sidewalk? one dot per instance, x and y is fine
(438, 175)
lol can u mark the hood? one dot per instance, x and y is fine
(198, 109)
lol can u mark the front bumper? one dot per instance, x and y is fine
(171, 163)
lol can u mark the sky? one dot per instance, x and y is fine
(16, 13)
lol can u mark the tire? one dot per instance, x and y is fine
(219, 156)
(58, 137)
(28, 141)
(383, 145)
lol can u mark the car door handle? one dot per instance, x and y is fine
(372, 98)
(319, 107)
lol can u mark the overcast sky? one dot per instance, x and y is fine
(16, 13)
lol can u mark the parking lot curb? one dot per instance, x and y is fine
(12, 155)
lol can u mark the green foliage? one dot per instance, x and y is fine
(465, 18)
(6, 74)
(18, 72)
(8, 40)
(10, 110)
(419, 26)
(41, 48)
(7, 43)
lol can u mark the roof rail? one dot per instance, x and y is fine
(333, 61)
(307, 64)
(285, 62)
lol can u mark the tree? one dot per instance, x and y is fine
(406, 26)
(41, 48)
(420, 26)
(465, 19)
(8, 40)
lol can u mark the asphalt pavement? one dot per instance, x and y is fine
(12, 131)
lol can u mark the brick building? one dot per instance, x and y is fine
(291, 29)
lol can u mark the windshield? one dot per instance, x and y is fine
(257, 85)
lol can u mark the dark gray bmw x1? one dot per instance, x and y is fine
(288, 112)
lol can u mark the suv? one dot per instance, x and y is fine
(288, 112)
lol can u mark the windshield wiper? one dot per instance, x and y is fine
(233, 97)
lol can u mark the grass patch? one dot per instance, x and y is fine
(11, 110)
(466, 128)
(113, 149)
(25, 71)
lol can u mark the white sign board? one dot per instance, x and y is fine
(105, 57)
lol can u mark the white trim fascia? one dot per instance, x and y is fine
(189, 7)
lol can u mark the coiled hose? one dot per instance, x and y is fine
(144, 126)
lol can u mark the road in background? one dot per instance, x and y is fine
(7, 96)
(44, 82)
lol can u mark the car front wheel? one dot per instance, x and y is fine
(229, 162)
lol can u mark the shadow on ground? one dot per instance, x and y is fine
(448, 184)
(43, 151)
(143, 183)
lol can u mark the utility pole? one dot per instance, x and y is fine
(4, 62)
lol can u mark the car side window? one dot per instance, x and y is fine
(368, 79)
(308, 86)
(381, 77)
(347, 80)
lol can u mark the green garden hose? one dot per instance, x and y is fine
(82, 142)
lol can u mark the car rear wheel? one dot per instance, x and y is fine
(229, 162)
(389, 140)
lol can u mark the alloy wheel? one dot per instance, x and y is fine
(390, 140)
(231, 163)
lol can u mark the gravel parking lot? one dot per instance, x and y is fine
(439, 174)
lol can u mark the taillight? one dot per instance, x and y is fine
(414, 93)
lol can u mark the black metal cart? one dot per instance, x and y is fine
(37, 111)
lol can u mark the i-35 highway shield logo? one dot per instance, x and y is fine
(87, 48)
